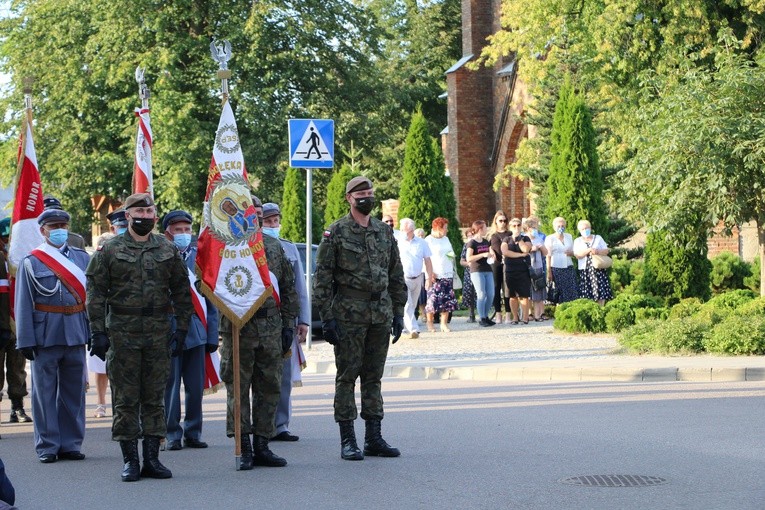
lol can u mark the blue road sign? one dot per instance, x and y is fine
(312, 143)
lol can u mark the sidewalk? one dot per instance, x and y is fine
(535, 352)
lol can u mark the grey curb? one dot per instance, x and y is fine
(517, 373)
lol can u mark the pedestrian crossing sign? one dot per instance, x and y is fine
(312, 143)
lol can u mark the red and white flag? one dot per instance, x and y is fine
(142, 177)
(28, 201)
(231, 260)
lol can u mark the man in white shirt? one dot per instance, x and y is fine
(414, 253)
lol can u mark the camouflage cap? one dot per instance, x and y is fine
(139, 200)
(53, 216)
(270, 209)
(358, 183)
(176, 217)
(117, 218)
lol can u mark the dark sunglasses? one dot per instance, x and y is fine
(501, 221)
(389, 222)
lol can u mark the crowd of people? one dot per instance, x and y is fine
(508, 268)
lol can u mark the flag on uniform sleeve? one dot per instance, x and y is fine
(142, 178)
(231, 261)
(28, 201)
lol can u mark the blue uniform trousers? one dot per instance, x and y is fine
(284, 408)
(58, 399)
(191, 367)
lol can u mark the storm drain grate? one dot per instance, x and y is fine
(614, 481)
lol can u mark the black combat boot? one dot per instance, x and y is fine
(17, 412)
(374, 444)
(349, 450)
(152, 467)
(132, 468)
(262, 456)
(245, 462)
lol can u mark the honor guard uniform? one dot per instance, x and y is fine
(75, 240)
(52, 330)
(293, 357)
(359, 286)
(202, 338)
(261, 346)
(12, 363)
(134, 281)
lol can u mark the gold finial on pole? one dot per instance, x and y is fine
(222, 54)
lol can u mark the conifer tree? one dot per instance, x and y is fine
(337, 206)
(575, 183)
(677, 267)
(422, 188)
(293, 206)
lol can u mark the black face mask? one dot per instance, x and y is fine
(365, 205)
(142, 226)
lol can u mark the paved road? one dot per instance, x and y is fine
(466, 444)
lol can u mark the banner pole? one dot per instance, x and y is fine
(237, 397)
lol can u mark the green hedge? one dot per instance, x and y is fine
(738, 334)
(580, 316)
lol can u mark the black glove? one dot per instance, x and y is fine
(179, 338)
(5, 338)
(99, 344)
(397, 327)
(330, 331)
(287, 335)
(28, 352)
(211, 348)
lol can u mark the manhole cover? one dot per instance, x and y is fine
(614, 481)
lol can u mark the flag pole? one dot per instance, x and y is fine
(26, 120)
(222, 54)
(143, 89)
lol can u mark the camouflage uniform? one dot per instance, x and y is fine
(260, 351)
(12, 362)
(130, 286)
(360, 283)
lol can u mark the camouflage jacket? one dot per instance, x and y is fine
(141, 276)
(353, 260)
(279, 266)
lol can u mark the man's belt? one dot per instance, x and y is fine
(262, 312)
(141, 311)
(359, 294)
(66, 310)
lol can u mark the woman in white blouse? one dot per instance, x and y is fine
(593, 283)
(560, 269)
(441, 293)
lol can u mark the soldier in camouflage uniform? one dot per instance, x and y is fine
(360, 288)
(262, 342)
(131, 281)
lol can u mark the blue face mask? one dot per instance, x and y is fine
(586, 232)
(121, 230)
(560, 230)
(57, 237)
(182, 241)
(533, 232)
(271, 231)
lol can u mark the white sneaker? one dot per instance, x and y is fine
(100, 411)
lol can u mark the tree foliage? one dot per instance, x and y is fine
(337, 205)
(676, 268)
(293, 209)
(422, 188)
(574, 186)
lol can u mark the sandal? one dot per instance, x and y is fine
(514, 323)
(539, 320)
(526, 322)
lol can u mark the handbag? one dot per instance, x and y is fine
(456, 282)
(538, 278)
(552, 293)
(601, 261)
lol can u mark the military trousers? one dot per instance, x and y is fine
(189, 366)
(13, 369)
(260, 372)
(58, 399)
(360, 353)
(138, 366)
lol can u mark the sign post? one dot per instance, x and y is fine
(312, 145)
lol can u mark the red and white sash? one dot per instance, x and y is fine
(65, 269)
(200, 305)
(5, 285)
